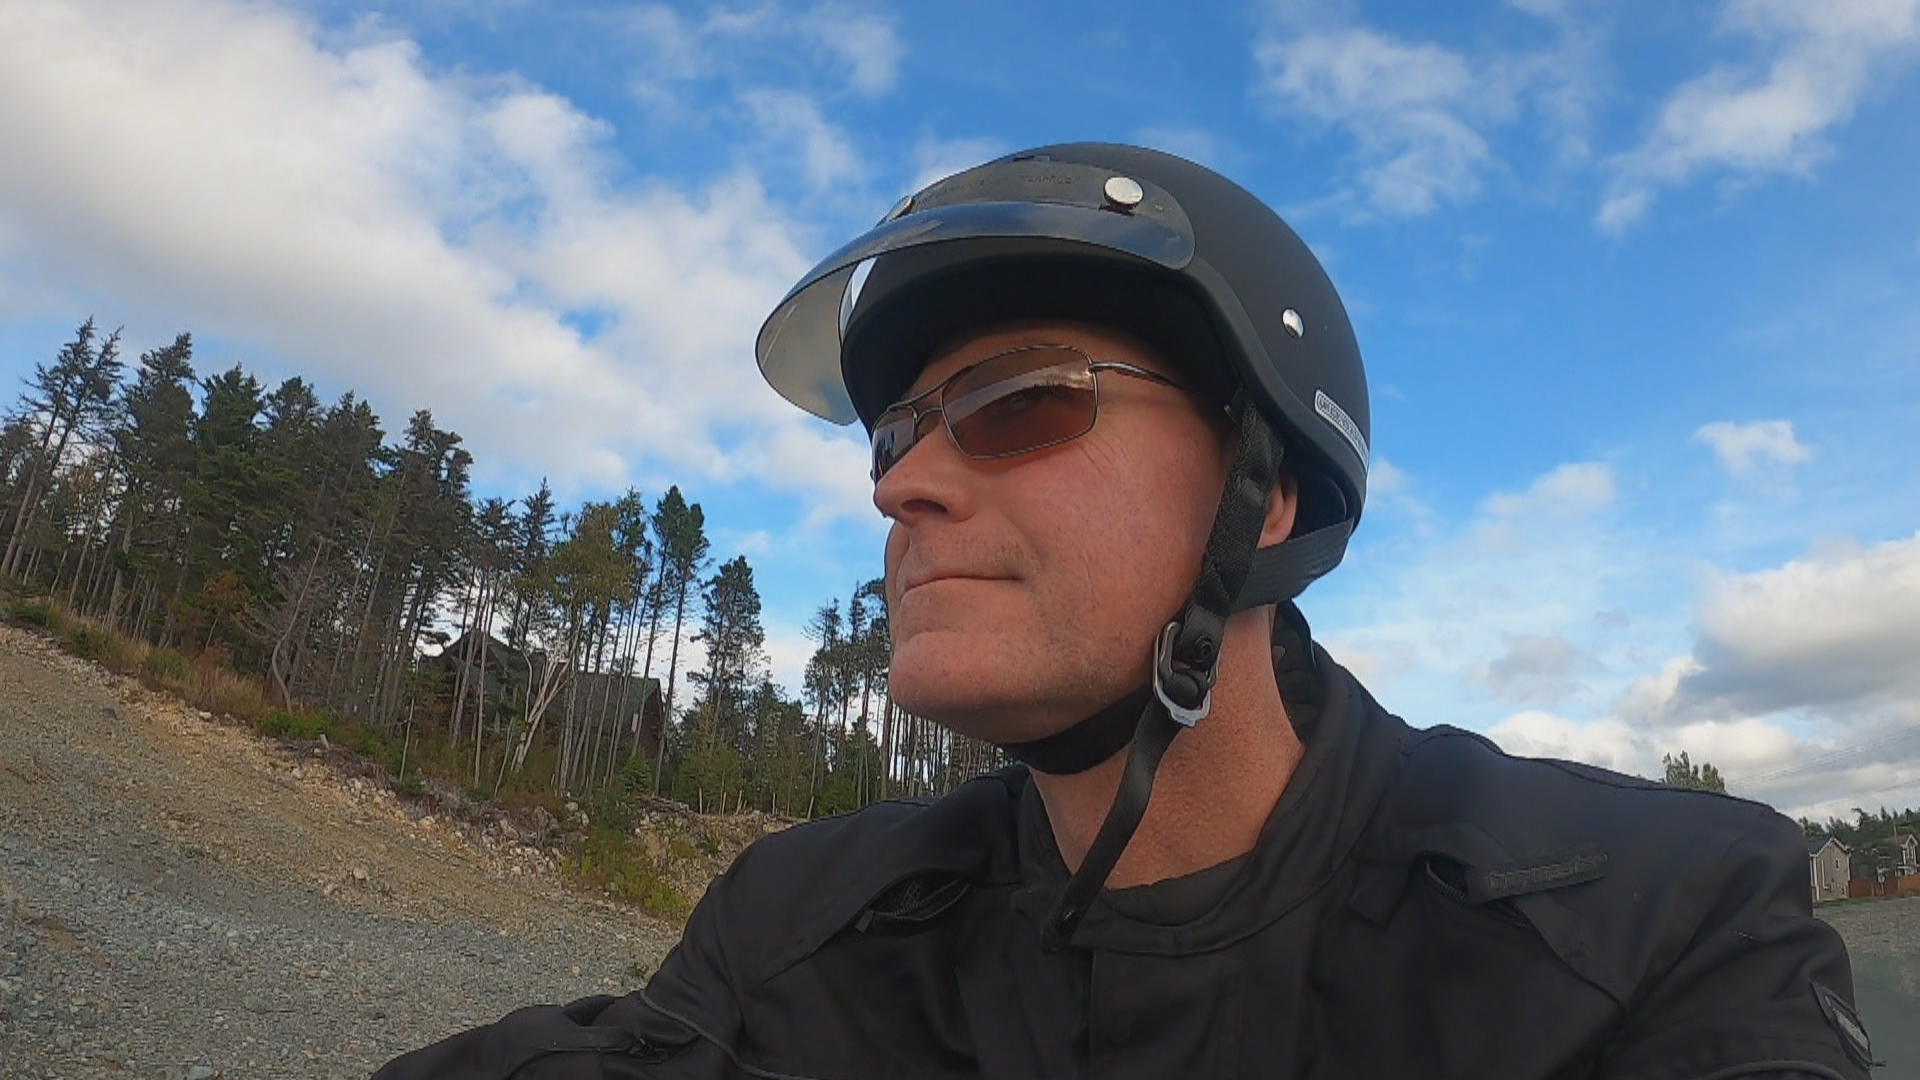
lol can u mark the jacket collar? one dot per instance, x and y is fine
(1351, 747)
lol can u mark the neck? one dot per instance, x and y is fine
(1216, 786)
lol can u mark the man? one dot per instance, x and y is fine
(1119, 422)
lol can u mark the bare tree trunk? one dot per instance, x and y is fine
(293, 620)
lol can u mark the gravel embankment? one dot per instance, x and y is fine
(181, 901)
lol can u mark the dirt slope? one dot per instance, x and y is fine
(181, 899)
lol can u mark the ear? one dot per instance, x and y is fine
(1283, 506)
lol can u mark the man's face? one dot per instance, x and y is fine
(1024, 593)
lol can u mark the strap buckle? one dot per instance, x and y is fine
(1163, 672)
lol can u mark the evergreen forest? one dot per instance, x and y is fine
(287, 560)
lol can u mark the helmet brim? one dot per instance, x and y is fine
(799, 346)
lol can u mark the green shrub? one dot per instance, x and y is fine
(636, 776)
(611, 808)
(164, 665)
(87, 642)
(35, 613)
(295, 724)
(610, 862)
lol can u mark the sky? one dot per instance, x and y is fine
(1637, 284)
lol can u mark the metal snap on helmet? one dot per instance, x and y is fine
(1216, 283)
(1188, 260)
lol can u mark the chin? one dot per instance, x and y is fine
(975, 695)
(981, 691)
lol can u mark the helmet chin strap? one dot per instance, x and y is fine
(1186, 659)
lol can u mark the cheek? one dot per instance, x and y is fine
(1127, 542)
(891, 555)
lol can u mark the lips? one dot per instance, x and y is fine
(912, 581)
(915, 582)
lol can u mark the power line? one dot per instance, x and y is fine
(1829, 758)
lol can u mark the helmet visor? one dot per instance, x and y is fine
(1075, 207)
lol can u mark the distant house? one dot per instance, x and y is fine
(600, 698)
(1880, 864)
(1829, 867)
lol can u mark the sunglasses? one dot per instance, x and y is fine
(1014, 402)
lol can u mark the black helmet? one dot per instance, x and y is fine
(1207, 275)
(1188, 260)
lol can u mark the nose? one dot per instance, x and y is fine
(931, 480)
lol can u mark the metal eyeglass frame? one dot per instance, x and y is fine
(1094, 368)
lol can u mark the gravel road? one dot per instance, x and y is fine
(1883, 941)
(180, 900)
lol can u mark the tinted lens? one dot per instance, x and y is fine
(1021, 401)
(892, 438)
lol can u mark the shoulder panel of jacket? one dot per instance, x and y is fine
(1689, 909)
(789, 892)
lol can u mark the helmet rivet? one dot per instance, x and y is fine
(1124, 191)
(1291, 320)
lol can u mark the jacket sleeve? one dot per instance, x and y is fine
(1758, 987)
(645, 1034)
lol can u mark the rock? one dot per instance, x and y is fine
(359, 873)
(543, 822)
(202, 1072)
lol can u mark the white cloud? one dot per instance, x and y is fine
(1501, 607)
(1758, 758)
(1800, 685)
(1608, 744)
(1421, 115)
(1410, 107)
(1386, 478)
(865, 44)
(425, 239)
(1744, 448)
(1813, 64)
(1836, 628)
(1569, 491)
(793, 122)
(1538, 669)
(1798, 682)
(1649, 700)
(858, 50)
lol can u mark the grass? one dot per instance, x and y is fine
(159, 666)
(207, 684)
(38, 613)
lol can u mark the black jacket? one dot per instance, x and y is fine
(1419, 905)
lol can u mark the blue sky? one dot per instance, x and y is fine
(1638, 285)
